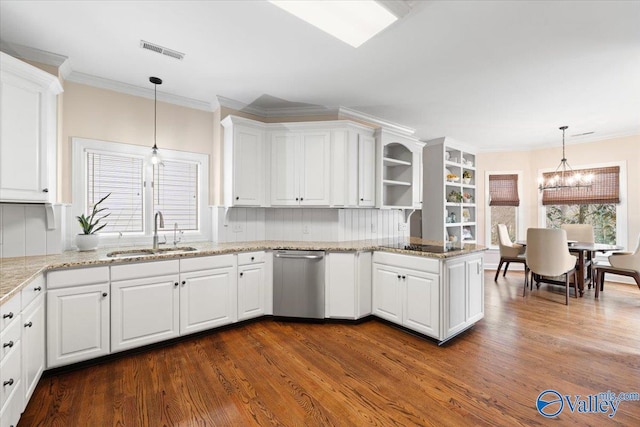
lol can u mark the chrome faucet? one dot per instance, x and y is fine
(155, 228)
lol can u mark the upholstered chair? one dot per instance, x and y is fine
(548, 255)
(509, 251)
(622, 263)
(579, 232)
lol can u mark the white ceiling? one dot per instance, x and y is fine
(498, 75)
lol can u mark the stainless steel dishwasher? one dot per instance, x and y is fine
(298, 284)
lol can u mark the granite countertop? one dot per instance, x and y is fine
(16, 273)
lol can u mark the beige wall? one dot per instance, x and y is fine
(625, 150)
(94, 113)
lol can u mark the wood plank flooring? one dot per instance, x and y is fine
(298, 374)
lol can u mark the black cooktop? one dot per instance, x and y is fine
(422, 248)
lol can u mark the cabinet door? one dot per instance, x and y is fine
(455, 297)
(341, 286)
(77, 324)
(33, 352)
(285, 190)
(144, 311)
(23, 150)
(366, 170)
(475, 290)
(207, 299)
(387, 295)
(422, 302)
(251, 287)
(248, 167)
(315, 168)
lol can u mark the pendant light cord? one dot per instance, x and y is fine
(155, 115)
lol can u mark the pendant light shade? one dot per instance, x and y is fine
(155, 159)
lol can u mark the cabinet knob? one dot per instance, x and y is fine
(301, 199)
(176, 284)
(399, 276)
(253, 258)
(237, 198)
(362, 199)
(184, 282)
(28, 325)
(6, 383)
(37, 288)
(7, 344)
(104, 294)
(45, 190)
(296, 199)
(404, 277)
(9, 315)
(241, 274)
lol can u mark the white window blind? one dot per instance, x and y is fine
(122, 176)
(175, 193)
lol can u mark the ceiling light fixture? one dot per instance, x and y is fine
(353, 22)
(564, 176)
(154, 154)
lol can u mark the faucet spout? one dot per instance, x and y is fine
(155, 228)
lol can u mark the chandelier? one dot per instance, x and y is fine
(564, 176)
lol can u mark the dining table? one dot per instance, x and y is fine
(585, 253)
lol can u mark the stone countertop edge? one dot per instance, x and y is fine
(17, 273)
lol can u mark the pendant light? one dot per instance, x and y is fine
(154, 154)
(564, 176)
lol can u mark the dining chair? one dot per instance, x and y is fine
(548, 255)
(509, 251)
(622, 263)
(579, 232)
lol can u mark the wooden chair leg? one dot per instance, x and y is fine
(495, 279)
(566, 293)
(575, 283)
(526, 280)
(597, 283)
(506, 267)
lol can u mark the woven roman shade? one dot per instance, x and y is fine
(605, 189)
(503, 190)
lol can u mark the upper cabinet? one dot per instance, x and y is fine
(244, 151)
(28, 109)
(399, 170)
(450, 172)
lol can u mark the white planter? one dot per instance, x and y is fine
(87, 242)
(466, 180)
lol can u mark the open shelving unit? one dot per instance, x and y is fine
(450, 212)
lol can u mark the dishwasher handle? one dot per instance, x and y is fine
(299, 256)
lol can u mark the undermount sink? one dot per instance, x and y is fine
(146, 252)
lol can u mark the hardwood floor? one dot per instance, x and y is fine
(298, 374)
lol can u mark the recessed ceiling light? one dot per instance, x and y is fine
(352, 21)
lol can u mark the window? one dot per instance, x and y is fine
(596, 205)
(503, 204)
(177, 187)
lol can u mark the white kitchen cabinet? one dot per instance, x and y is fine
(406, 291)
(78, 313)
(348, 285)
(11, 393)
(27, 132)
(463, 293)
(208, 292)
(366, 171)
(255, 288)
(33, 345)
(244, 162)
(300, 168)
(398, 170)
(448, 216)
(145, 303)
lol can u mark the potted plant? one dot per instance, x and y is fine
(467, 197)
(88, 239)
(454, 197)
(466, 177)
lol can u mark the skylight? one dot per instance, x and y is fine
(352, 21)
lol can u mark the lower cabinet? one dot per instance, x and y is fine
(207, 292)
(78, 315)
(33, 345)
(145, 303)
(407, 297)
(348, 285)
(463, 293)
(255, 295)
(12, 391)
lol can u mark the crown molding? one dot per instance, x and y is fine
(388, 125)
(299, 111)
(102, 83)
(32, 54)
(14, 66)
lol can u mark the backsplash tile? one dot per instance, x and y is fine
(23, 230)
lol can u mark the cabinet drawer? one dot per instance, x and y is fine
(77, 277)
(32, 290)
(10, 370)
(420, 263)
(144, 269)
(9, 310)
(10, 337)
(207, 263)
(245, 258)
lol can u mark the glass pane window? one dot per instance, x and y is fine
(506, 215)
(122, 176)
(603, 217)
(175, 194)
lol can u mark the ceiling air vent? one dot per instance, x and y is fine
(163, 50)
